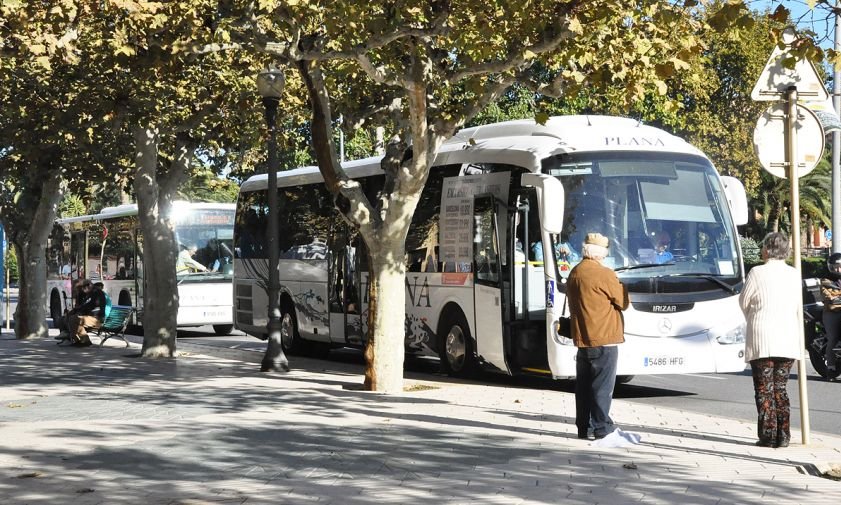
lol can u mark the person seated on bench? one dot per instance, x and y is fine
(89, 314)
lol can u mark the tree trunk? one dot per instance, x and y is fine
(773, 224)
(30, 316)
(160, 299)
(30, 247)
(384, 350)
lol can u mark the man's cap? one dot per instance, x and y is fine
(99, 284)
(597, 239)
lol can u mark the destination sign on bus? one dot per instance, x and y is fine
(206, 218)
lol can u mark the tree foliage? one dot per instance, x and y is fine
(425, 69)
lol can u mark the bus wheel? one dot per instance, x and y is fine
(223, 329)
(55, 309)
(289, 338)
(624, 379)
(456, 347)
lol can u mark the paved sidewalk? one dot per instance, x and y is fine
(91, 426)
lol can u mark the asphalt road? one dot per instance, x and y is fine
(729, 395)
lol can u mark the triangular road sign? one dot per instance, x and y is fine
(775, 80)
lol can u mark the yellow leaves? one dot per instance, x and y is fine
(834, 58)
(269, 5)
(574, 25)
(575, 75)
(125, 50)
(529, 55)
(679, 64)
(661, 86)
(38, 49)
(43, 61)
(9, 6)
(811, 3)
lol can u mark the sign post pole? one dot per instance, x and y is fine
(2, 270)
(793, 177)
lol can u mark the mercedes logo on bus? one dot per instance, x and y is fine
(665, 326)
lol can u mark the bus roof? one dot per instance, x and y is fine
(522, 143)
(130, 209)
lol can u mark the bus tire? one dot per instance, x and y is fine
(56, 312)
(290, 339)
(223, 329)
(624, 379)
(455, 346)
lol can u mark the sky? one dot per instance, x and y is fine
(817, 20)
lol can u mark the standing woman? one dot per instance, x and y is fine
(773, 319)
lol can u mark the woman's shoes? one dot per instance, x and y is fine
(775, 445)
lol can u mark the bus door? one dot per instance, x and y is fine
(78, 260)
(489, 305)
(525, 287)
(345, 288)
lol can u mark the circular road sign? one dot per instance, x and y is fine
(769, 140)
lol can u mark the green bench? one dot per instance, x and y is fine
(114, 325)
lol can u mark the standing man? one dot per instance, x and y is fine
(596, 301)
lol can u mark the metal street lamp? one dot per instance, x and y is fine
(270, 84)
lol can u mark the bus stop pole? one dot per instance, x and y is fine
(8, 302)
(3, 267)
(791, 158)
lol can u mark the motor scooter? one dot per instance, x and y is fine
(813, 329)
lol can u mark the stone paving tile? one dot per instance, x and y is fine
(206, 429)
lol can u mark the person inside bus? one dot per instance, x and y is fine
(596, 301)
(185, 262)
(662, 248)
(563, 251)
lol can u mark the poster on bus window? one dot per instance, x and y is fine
(456, 228)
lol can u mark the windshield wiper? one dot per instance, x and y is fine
(710, 277)
(643, 265)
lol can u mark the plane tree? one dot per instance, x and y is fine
(51, 137)
(168, 99)
(434, 66)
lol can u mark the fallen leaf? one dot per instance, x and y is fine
(32, 475)
(629, 466)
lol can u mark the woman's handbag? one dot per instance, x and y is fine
(564, 322)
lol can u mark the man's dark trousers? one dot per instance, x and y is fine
(595, 377)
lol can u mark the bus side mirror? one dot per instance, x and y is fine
(550, 196)
(737, 198)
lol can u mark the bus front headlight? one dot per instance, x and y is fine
(734, 336)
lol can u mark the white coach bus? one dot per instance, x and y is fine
(478, 293)
(108, 247)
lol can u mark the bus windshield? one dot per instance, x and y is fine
(205, 242)
(665, 215)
